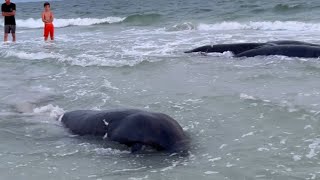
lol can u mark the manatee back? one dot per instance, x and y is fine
(89, 122)
(285, 50)
(220, 48)
(155, 129)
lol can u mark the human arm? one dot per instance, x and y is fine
(44, 18)
(13, 13)
(51, 17)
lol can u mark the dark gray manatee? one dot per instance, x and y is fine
(247, 49)
(284, 50)
(131, 127)
(220, 48)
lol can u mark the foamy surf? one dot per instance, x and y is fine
(83, 60)
(28, 55)
(314, 147)
(53, 111)
(249, 25)
(263, 25)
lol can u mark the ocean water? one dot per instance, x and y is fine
(248, 118)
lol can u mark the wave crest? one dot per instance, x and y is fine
(37, 23)
(286, 7)
(142, 19)
(259, 25)
(263, 25)
(136, 19)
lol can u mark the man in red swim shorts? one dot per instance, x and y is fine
(47, 18)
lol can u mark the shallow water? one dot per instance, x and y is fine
(249, 118)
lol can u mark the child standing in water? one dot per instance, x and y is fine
(47, 18)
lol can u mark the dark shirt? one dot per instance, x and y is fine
(9, 20)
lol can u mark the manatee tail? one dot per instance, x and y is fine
(24, 107)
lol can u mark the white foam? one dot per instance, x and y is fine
(85, 60)
(245, 96)
(228, 54)
(66, 154)
(263, 149)
(182, 27)
(53, 111)
(297, 158)
(229, 165)
(211, 172)
(248, 134)
(283, 141)
(109, 151)
(108, 84)
(263, 25)
(174, 164)
(314, 148)
(215, 159)
(29, 55)
(308, 127)
(134, 178)
(129, 170)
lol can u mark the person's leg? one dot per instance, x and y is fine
(52, 32)
(13, 37)
(13, 31)
(6, 31)
(5, 37)
(46, 33)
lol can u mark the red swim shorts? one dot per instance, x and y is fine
(48, 29)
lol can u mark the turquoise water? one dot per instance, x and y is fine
(249, 118)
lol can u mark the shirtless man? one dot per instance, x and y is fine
(9, 11)
(47, 18)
